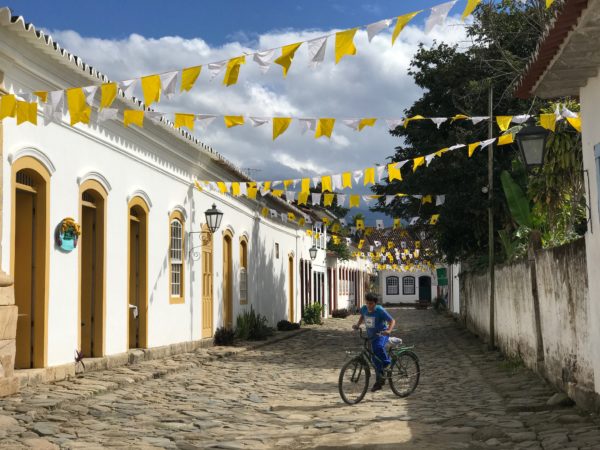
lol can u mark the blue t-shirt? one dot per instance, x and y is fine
(375, 321)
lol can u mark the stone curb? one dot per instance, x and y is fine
(94, 384)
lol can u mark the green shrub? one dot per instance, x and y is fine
(340, 313)
(312, 314)
(223, 336)
(251, 326)
(286, 325)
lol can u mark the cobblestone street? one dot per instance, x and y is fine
(285, 395)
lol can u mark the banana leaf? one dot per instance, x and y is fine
(518, 203)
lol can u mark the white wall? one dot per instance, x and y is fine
(590, 136)
(404, 298)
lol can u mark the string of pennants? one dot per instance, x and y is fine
(164, 84)
(78, 107)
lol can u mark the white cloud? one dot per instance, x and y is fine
(374, 83)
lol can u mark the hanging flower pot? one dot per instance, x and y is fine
(67, 236)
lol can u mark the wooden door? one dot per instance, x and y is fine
(134, 282)
(207, 283)
(291, 289)
(227, 283)
(88, 279)
(25, 254)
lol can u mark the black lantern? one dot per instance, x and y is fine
(313, 252)
(213, 218)
(531, 140)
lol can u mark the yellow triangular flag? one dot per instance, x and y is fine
(336, 239)
(328, 199)
(222, 187)
(78, 108)
(233, 121)
(575, 122)
(287, 56)
(336, 226)
(506, 139)
(548, 121)
(42, 95)
(133, 117)
(324, 128)
(151, 89)
(472, 148)
(303, 197)
(291, 217)
(26, 112)
(503, 122)
(390, 244)
(441, 151)
(410, 119)
(426, 199)
(367, 122)
(434, 219)
(361, 243)
(549, 3)
(280, 124)
(401, 22)
(459, 117)
(346, 180)
(8, 106)
(233, 70)
(309, 232)
(301, 221)
(471, 5)
(305, 185)
(418, 162)
(393, 172)
(287, 183)
(184, 120)
(326, 183)
(277, 193)
(189, 77)
(369, 177)
(360, 224)
(198, 186)
(397, 224)
(235, 189)
(108, 93)
(344, 44)
(354, 201)
(252, 191)
(264, 212)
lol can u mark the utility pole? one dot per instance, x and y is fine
(492, 342)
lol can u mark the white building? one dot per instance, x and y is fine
(402, 287)
(567, 63)
(144, 245)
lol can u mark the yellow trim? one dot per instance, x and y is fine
(244, 263)
(227, 279)
(291, 288)
(99, 330)
(140, 204)
(40, 338)
(176, 214)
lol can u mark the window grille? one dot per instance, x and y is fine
(24, 178)
(392, 286)
(408, 286)
(176, 253)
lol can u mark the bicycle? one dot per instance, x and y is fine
(402, 374)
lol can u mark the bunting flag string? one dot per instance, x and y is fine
(80, 111)
(164, 85)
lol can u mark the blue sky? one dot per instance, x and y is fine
(217, 22)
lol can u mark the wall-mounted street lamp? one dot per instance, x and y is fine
(531, 140)
(313, 252)
(213, 218)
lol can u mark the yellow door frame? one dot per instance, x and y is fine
(227, 279)
(207, 283)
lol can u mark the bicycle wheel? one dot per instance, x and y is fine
(404, 374)
(354, 380)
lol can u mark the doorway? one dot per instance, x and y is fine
(207, 283)
(291, 289)
(425, 289)
(227, 281)
(92, 274)
(30, 253)
(137, 308)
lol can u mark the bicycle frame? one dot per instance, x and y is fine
(367, 354)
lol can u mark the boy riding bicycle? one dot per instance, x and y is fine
(379, 324)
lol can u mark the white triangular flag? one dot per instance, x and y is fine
(348, 241)
(169, 84)
(244, 189)
(487, 142)
(438, 120)
(316, 181)
(258, 121)
(108, 114)
(379, 171)
(308, 124)
(316, 51)
(284, 217)
(456, 146)
(264, 191)
(440, 200)
(342, 220)
(90, 93)
(353, 230)
(413, 221)
(274, 213)
(295, 182)
(377, 243)
(428, 158)
(53, 108)
(375, 28)
(127, 87)
(204, 120)
(371, 248)
(316, 199)
(341, 199)
(394, 123)
(153, 115)
(216, 68)
(336, 182)
(264, 59)
(477, 119)
(367, 199)
(290, 196)
(308, 220)
(357, 175)
(400, 164)
(389, 199)
(276, 183)
(522, 118)
(438, 15)
(567, 114)
(379, 224)
(351, 123)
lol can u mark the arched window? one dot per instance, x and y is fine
(243, 270)
(176, 257)
(408, 286)
(392, 285)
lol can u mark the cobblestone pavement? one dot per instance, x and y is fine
(285, 395)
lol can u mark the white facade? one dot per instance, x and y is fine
(406, 287)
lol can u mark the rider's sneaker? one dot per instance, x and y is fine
(377, 386)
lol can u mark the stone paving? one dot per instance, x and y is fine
(285, 395)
